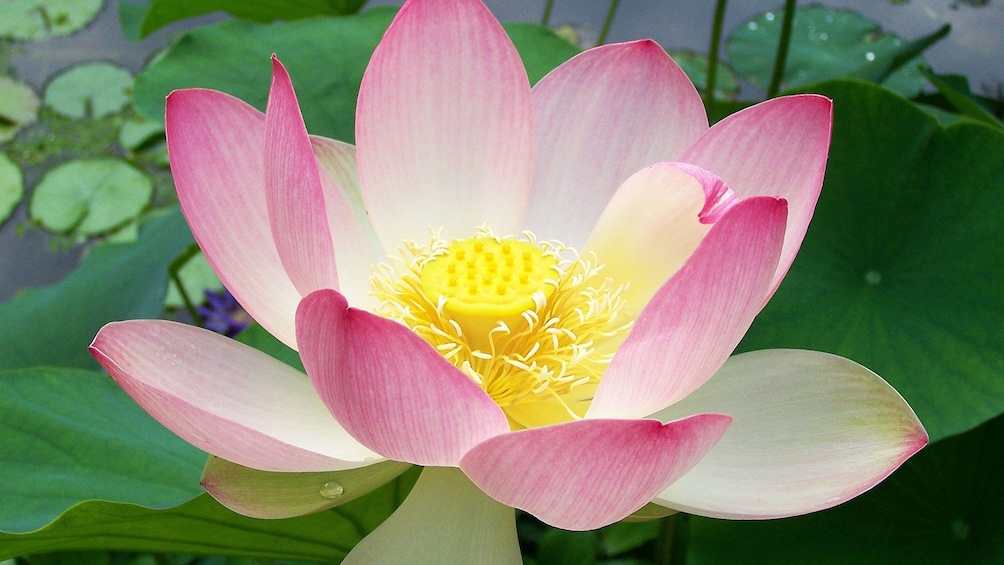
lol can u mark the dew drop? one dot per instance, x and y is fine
(752, 26)
(870, 56)
(824, 36)
(769, 16)
(332, 490)
(873, 277)
(960, 529)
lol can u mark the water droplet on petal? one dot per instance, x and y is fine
(332, 490)
(873, 277)
(870, 56)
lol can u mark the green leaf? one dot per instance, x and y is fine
(69, 436)
(18, 107)
(902, 268)
(11, 187)
(696, 67)
(561, 547)
(197, 276)
(945, 505)
(163, 12)
(955, 89)
(202, 526)
(622, 537)
(828, 44)
(93, 90)
(326, 58)
(32, 20)
(90, 197)
(257, 337)
(53, 325)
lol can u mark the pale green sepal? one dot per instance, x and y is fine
(269, 494)
(445, 519)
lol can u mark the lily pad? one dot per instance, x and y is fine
(32, 20)
(90, 197)
(696, 67)
(945, 505)
(18, 107)
(325, 56)
(11, 187)
(827, 44)
(197, 276)
(90, 90)
(139, 133)
(902, 268)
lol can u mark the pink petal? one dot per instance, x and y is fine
(295, 199)
(443, 125)
(357, 248)
(271, 495)
(697, 318)
(389, 388)
(598, 118)
(216, 144)
(776, 148)
(590, 473)
(811, 430)
(653, 224)
(445, 520)
(226, 398)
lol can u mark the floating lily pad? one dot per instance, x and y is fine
(18, 107)
(90, 197)
(11, 187)
(825, 44)
(32, 20)
(902, 269)
(696, 67)
(90, 90)
(139, 133)
(197, 276)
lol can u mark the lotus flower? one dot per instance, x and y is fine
(577, 386)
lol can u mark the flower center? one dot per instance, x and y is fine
(531, 322)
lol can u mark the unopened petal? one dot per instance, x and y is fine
(216, 144)
(443, 125)
(810, 430)
(271, 495)
(695, 320)
(225, 397)
(598, 119)
(776, 148)
(590, 473)
(389, 388)
(445, 519)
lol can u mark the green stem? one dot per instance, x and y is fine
(606, 23)
(667, 535)
(782, 49)
(716, 40)
(174, 270)
(546, 19)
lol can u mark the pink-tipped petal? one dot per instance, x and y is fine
(271, 495)
(776, 148)
(216, 144)
(390, 389)
(598, 119)
(293, 192)
(444, 125)
(653, 224)
(810, 430)
(444, 520)
(695, 320)
(590, 473)
(226, 398)
(357, 248)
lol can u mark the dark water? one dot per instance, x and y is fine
(974, 48)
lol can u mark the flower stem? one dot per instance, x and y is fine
(174, 270)
(782, 49)
(606, 23)
(546, 19)
(716, 40)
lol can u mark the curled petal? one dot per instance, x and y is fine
(598, 118)
(695, 320)
(216, 144)
(225, 397)
(443, 125)
(445, 519)
(390, 389)
(776, 148)
(590, 473)
(271, 495)
(810, 430)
